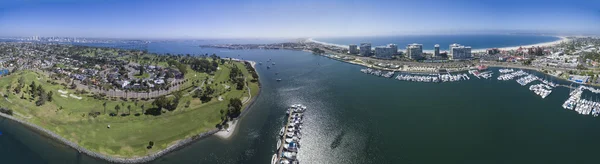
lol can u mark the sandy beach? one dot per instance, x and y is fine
(227, 133)
(545, 44)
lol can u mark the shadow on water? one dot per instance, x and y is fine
(338, 140)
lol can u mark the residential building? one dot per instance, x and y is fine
(436, 51)
(386, 52)
(353, 49)
(365, 49)
(414, 51)
(493, 51)
(459, 52)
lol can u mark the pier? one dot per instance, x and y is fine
(282, 138)
(288, 143)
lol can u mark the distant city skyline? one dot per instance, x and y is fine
(158, 19)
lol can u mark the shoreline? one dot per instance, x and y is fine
(233, 125)
(543, 44)
(179, 144)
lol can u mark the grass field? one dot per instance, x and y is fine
(128, 135)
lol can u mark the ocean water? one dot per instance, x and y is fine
(359, 118)
(428, 41)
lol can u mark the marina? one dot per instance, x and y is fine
(543, 88)
(581, 105)
(288, 141)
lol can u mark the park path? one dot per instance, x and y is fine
(249, 94)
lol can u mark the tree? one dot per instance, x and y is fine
(234, 107)
(50, 93)
(207, 94)
(129, 109)
(32, 89)
(117, 108)
(142, 108)
(142, 70)
(317, 51)
(104, 104)
(160, 102)
(254, 75)
(41, 100)
(21, 81)
(150, 145)
(240, 83)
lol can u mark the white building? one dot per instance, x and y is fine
(365, 49)
(459, 52)
(436, 51)
(386, 52)
(414, 51)
(353, 49)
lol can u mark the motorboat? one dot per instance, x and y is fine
(292, 146)
(288, 140)
(289, 155)
(278, 144)
(290, 134)
(281, 131)
(274, 159)
(284, 161)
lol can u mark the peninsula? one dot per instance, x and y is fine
(566, 58)
(125, 106)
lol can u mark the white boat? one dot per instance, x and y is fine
(289, 155)
(289, 134)
(281, 131)
(278, 144)
(274, 159)
(284, 161)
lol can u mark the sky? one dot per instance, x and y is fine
(292, 18)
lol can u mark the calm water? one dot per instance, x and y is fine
(428, 41)
(359, 118)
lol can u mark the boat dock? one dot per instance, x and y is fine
(288, 142)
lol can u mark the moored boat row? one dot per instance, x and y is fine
(527, 79)
(288, 142)
(375, 72)
(542, 90)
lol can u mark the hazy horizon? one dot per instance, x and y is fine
(266, 19)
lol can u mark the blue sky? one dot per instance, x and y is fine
(294, 18)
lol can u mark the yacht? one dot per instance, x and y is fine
(289, 155)
(281, 131)
(284, 161)
(292, 146)
(279, 144)
(274, 159)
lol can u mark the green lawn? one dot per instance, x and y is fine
(143, 76)
(128, 135)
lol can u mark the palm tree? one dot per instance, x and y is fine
(104, 104)
(117, 108)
